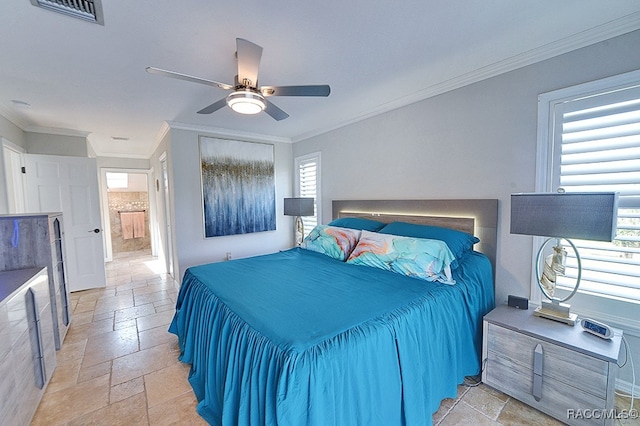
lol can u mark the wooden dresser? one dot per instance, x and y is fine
(27, 352)
(37, 240)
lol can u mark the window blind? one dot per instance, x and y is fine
(597, 148)
(307, 171)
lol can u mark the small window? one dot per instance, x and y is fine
(307, 184)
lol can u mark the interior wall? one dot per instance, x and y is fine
(478, 141)
(191, 247)
(50, 144)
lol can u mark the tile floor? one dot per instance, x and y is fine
(119, 365)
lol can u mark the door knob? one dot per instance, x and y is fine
(97, 230)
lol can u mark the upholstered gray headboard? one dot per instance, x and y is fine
(475, 216)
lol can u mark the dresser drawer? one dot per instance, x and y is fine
(564, 365)
(570, 380)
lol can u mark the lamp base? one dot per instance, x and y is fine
(556, 312)
(299, 230)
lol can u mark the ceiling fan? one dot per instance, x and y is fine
(247, 97)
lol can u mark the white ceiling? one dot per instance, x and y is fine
(83, 78)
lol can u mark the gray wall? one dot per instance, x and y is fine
(191, 248)
(48, 144)
(478, 141)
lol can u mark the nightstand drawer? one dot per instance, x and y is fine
(559, 364)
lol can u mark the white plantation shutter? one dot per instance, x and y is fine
(596, 147)
(307, 185)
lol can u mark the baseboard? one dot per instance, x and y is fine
(626, 387)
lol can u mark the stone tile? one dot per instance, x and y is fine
(131, 285)
(65, 375)
(155, 336)
(484, 401)
(168, 305)
(124, 324)
(130, 411)
(84, 307)
(623, 406)
(70, 351)
(144, 298)
(493, 392)
(60, 407)
(127, 389)
(463, 414)
(134, 312)
(114, 303)
(160, 319)
(517, 413)
(156, 384)
(178, 411)
(85, 331)
(144, 362)
(93, 371)
(151, 287)
(110, 345)
(447, 404)
(103, 316)
(82, 317)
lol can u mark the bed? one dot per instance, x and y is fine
(299, 337)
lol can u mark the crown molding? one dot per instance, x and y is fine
(225, 133)
(14, 118)
(56, 131)
(568, 44)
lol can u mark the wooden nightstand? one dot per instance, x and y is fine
(576, 377)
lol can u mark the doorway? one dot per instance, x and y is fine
(127, 209)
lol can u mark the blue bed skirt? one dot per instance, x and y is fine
(297, 338)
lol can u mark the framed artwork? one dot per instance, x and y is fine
(238, 186)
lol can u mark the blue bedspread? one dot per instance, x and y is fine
(298, 338)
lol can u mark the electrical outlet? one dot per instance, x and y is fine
(228, 255)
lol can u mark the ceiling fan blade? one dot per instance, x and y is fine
(186, 77)
(275, 112)
(313, 90)
(214, 106)
(249, 55)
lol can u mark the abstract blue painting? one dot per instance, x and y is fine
(238, 187)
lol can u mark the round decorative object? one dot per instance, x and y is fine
(553, 266)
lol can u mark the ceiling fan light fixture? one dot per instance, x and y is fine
(246, 102)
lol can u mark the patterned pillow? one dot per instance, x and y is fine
(331, 240)
(414, 257)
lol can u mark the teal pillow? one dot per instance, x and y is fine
(332, 241)
(414, 257)
(357, 223)
(459, 242)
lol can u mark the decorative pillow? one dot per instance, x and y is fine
(357, 223)
(415, 257)
(331, 240)
(459, 242)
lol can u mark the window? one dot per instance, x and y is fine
(308, 185)
(589, 140)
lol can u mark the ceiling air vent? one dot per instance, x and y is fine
(88, 10)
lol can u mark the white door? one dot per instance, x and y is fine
(70, 185)
(167, 214)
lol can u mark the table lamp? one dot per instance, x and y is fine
(560, 216)
(298, 207)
